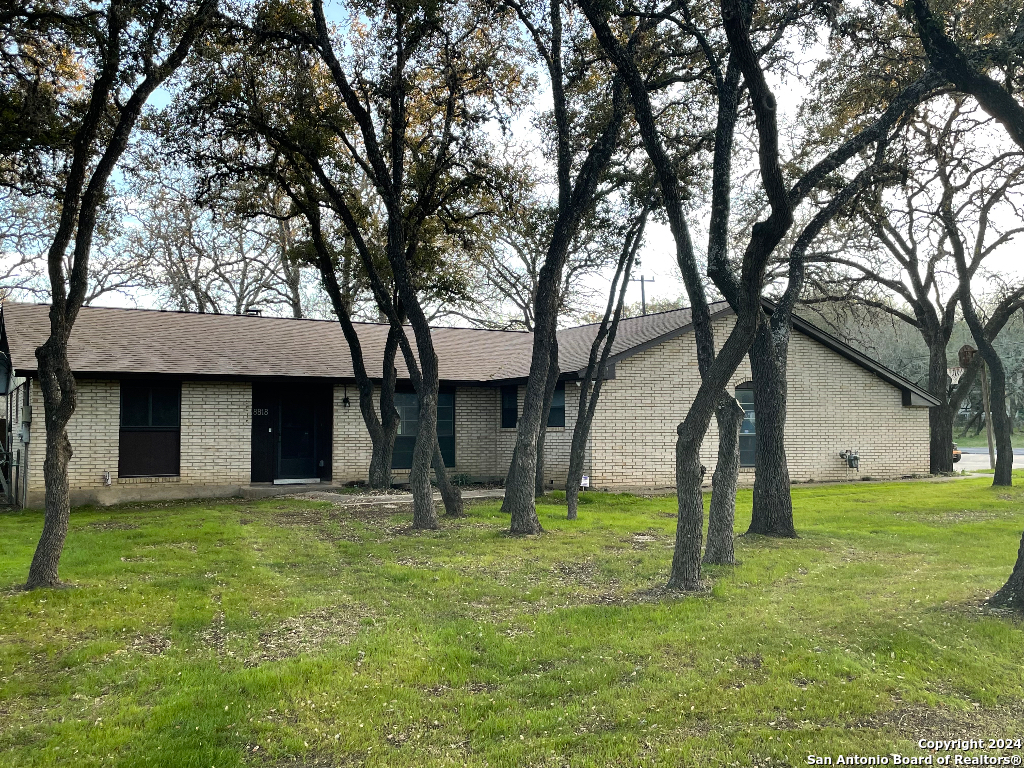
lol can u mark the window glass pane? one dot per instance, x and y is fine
(748, 450)
(748, 429)
(446, 414)
(407, 405)
(745, 397)
(402, 457)
(134, 405)
(165, 406)
(447, 445)
(509, 406)
(556, 416)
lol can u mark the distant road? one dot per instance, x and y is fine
(1016, 451)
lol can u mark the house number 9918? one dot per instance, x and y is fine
(260, 411)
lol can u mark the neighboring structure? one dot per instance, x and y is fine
(174, 405)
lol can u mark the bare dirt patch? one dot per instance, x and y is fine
(311, 759)
(110, 525)
(921, 722)
(952, 517)
(302, 634)
(150, 645)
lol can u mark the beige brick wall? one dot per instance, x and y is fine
(93, 431)
(477, 418)
(351, 448)
(216, 427)
(833, 405)
(216, 432)
(557, 441)
(483, 449)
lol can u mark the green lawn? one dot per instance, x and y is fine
(979, 441)
(292, 633)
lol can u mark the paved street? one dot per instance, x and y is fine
(977, 458)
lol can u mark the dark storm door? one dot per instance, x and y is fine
(297, 441)
(265, 402)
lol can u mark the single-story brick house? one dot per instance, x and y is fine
(175, 404)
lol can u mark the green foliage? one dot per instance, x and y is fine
(196, 632)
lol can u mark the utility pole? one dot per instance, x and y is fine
(643, 293)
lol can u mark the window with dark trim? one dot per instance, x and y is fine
(149, 441)
(408, 406)
(556, 416)
(509, 406)
(748, 430)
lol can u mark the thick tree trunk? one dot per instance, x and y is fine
(1011, 595)
(382, 437)
(520, 485)
(940, 424)
(1000, 423)
(549, 396)
(59, 400)
(940, 417)
(424, 515)
(423, 452)
(686, 575)
(997, 373)
(382, 453)
(772, 513)
(722, 514)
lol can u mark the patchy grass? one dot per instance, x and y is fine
(294, 633)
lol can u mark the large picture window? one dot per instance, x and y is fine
(748, 430)
(408, 406)
(556, 416)
(150, 434)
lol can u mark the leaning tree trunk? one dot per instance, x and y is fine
(549, 397)
(772, 513)
(59, 399)
(450, 493)
(382, 430)
(520, 485)
(382, 438)
(722, 515)
(997, 373)
(600, 349)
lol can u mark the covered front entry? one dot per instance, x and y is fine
(291, 432)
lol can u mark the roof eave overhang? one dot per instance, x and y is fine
(912, 395)
(644, 346)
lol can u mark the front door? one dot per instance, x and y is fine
(291, 431)
(297, 449)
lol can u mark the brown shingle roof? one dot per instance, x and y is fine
(142, 342)
(139, 341)
(632, 335)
